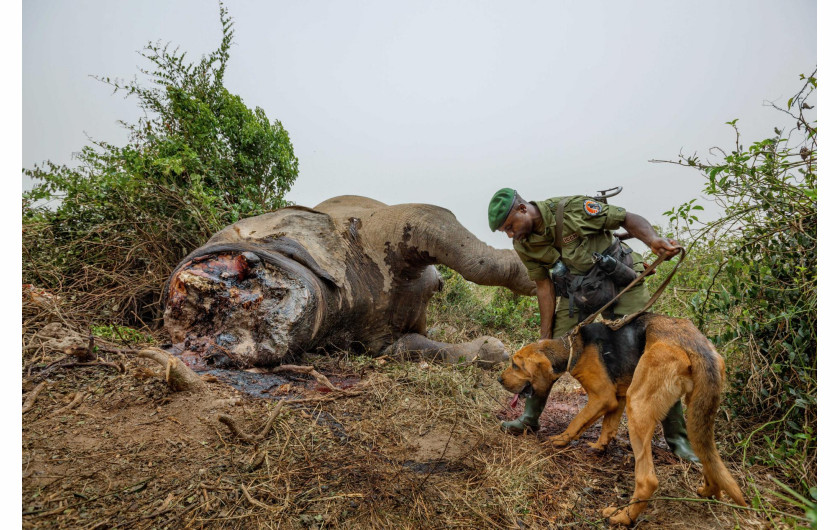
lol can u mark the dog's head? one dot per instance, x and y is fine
(530, 373)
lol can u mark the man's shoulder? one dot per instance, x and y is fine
(570, 202)
(585, 204)
(565, 199)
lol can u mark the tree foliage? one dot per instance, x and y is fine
(110, 229)
(754, 289)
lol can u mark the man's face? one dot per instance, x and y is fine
(518, 224)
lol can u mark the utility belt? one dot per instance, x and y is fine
(612, 270)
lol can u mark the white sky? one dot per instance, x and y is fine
(446, 102)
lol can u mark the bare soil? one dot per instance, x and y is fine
(418, 447)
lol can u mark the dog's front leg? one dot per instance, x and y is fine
(609, 427)
(597, 405)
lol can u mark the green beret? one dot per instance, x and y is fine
(500, 206)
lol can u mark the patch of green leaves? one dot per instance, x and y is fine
(114, 332)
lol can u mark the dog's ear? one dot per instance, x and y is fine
(542, 374)
(553, 348)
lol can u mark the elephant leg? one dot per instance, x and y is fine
(486, 351)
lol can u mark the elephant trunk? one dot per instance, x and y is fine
(437, 235)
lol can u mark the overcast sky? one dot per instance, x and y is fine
(444, 102)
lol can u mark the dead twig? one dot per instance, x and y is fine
(164, 507)
(306, 370)
(30, 399)
(89, 354)
(104, 364)
(48, 369)
(42, 512)
(281, 404)
(178, 376)
(256, 462)
(56, 365)
(121, 351)
(255, 502)
(78, 397)
(230, 423)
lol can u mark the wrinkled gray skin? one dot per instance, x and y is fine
(351, 273)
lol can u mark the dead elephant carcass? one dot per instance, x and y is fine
(352, 273)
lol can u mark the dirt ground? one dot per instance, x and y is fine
(411, 446)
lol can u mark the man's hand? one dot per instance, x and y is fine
(638, 227)
(669, 247)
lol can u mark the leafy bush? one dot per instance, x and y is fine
(109, 231)
(754, 285)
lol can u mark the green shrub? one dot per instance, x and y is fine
(753, 287)
(109, 231)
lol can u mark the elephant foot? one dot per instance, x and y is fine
(484, 351)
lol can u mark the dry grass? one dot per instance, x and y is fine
(419, 447)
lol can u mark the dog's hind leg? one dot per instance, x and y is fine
(703, 402)
(656, 385)
(609, 427)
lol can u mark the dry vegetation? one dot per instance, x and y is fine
(108, 444)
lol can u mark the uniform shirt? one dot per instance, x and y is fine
(587, 228)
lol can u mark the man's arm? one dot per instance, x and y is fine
(638, 227)
(545, 300)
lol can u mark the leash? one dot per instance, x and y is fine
(624, 320)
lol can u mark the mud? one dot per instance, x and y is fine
(257, 382)
(413, 278)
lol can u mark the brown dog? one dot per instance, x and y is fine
(648, 365)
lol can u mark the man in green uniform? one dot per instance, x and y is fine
(587, 227)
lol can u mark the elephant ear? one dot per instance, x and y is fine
(292, 249)
(268, 250)
(303, 234)
(302, 208)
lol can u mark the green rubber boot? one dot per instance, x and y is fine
(674, 427)
(530, 419)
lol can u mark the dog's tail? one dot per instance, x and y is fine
(707, 372)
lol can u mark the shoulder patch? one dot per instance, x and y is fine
(591, 207)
